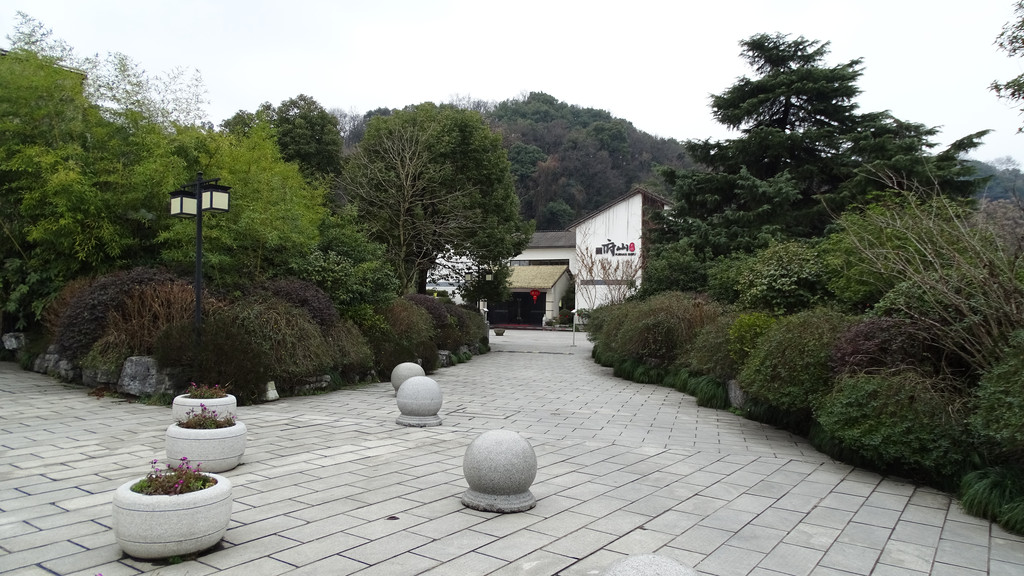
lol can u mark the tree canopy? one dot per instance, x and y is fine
(432, 183)
(804, 154)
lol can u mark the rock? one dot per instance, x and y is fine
(93, 377)
(14, 340)
(140, 376)
(737, 397)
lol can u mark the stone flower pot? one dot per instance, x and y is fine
(165, 526)
(215, 449)
(226, 406)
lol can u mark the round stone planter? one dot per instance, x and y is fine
(226, 406)
(214, 449)
(500, 466)
(419, 400)
(403, 372)
(165, 526)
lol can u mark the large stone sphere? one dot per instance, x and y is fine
(419, 400)
(403, 372)
(648, 565)
(500, 466)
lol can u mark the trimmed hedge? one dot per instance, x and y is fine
(789, 367)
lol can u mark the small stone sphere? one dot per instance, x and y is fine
(419, 400)
(648, 565)
(404, 371)
(500, 466)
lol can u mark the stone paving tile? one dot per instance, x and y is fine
(330, 485)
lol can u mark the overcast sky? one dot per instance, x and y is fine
(653, 63)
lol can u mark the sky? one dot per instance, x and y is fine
(654, 63)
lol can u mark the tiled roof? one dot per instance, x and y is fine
(539, 277)
(553, 239)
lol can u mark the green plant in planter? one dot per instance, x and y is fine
(173, 480)
(205, 419)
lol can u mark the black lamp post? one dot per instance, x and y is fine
(191, 200)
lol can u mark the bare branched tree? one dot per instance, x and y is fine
(601, 275)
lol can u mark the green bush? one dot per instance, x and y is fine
(661, 328)
(352, 357)
(724, 275)
(998, 403)
(901, 422)
(249, 343)
(744, 334)
(710, 354)
(446, 327)
(789, 367)
(406, 334)
(783, 278)
(602, 324)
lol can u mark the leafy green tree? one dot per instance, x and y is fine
(81, 193)
(306, 133)
(349, 267)
(556, 216)
(1011, 41)
(432, 184)
(274, 217)
(310, 135)
(804, 154)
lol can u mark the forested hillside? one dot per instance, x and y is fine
(567, 160)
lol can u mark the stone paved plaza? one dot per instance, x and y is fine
(331, 485)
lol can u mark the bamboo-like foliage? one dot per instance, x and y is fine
(949, 270)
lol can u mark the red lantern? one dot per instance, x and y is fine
(534, 293)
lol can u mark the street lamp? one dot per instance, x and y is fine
(191, 200)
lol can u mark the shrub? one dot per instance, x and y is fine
(445, 326)
(955, 273)
(352, 357)
(662, 327)
(783, 278)
(602, 323)
(405, 335)
(477, 328)
(249, 343)
(900, 422)
(789, 368)
(744, 334)
(55, 309)
(724, 275)
(85, 320)
(878, 345)
(309, 297)
(133, 327)
(710, 354)
(229, 357)
(998, 403)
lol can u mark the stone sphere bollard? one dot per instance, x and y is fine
(500, 466)
(403, 372)
(419, 400)
(648, 565)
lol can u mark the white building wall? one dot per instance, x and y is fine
(611, 238)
